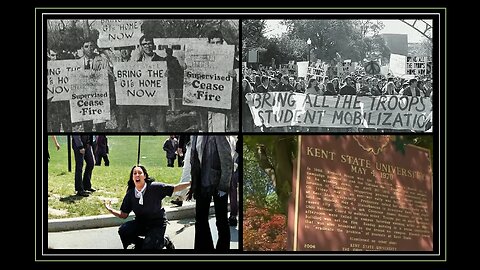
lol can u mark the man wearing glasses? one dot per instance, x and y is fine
(158, 114)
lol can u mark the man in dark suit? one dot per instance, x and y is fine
(211, 172)
(170, 147)
(82, 149)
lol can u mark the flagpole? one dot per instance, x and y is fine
(138, 155)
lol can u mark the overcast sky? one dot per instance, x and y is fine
(274, 28)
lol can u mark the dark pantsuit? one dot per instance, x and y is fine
(85, 183)
(154, 237)
(203, 235)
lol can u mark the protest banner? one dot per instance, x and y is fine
(277, 109)
(118, 33)
(90, 96)
(207, 82)
(141, 83)
(58, 78)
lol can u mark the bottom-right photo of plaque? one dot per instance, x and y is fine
(345, 193)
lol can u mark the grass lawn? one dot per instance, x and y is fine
(110, 182)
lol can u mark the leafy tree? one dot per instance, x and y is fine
(292, 49)
(252, 35)
(275, 156)
(352, 39)
(256, 183)
(65, 35)
(69, 34)
(192, 28)
(368, 27)
(273, 51)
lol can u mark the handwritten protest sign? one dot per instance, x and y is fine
(141, 83)
(118, 33)
(90, 97)
(302, 69)
(317, 72)
(58, 78)
(345, 68)
(207, 82)
(276, 109)
(398, 64)
(418, 65)
(291, 69)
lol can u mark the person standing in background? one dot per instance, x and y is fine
(211, 172)
(144, 114)
(184, 148)
(82, 149)
(101, 150)
(170, 147)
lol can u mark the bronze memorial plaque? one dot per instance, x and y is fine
(360, 193)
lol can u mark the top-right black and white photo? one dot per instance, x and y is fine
(340, 75)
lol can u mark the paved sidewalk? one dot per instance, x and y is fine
(181, 232)
(68, 224)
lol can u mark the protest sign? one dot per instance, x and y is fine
(141, 83)
(118, 33)
(207, 81)
(90, 98)
(398, 64)
(58, 78)
(302, 68)
(418, 66)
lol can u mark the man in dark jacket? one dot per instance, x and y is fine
(101, 150)
(82, 149)
(212, 167)
(170, 147)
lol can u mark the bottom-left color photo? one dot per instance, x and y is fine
(141, 192)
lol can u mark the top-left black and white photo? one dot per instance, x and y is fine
(140, 75)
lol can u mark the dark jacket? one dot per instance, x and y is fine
(215, 171)
(175, 73)
(170, 147)
(81, 141)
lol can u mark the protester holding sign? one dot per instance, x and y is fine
(157, 114)
(93, 61)
(58, 110)
(123, 112)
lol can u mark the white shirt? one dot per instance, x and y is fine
(199, 147)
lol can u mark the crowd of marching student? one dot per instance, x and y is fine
(356, 83)
(268, 80)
